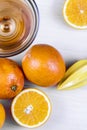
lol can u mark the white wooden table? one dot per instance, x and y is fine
(69, 108)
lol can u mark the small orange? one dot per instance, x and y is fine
(31, 108)
(75, 13)
(11, 78)
(2, 115)
(43, 65)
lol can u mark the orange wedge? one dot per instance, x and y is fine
(75, 13)
(31, 108)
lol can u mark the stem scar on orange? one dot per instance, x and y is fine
(43, 65)
(11, 78)
(31, 108)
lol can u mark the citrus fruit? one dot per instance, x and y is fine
(2, 115)
(43, 65)
(31, 108)
(11, 78)
(75, 13)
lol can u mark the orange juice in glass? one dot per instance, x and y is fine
(19, 22)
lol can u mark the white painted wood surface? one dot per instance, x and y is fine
(69, 108)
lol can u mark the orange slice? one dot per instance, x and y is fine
(75, 13)
(31, 108)
(2, 115)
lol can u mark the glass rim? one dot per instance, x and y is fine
(36, 28)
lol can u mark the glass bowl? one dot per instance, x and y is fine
(19, 23)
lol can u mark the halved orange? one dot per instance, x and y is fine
(31, 108)
(75, 13)
(2, 115)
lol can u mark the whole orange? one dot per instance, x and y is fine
(2, 115)
(11, 78)
(43, 65)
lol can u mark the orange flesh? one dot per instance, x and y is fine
(31, 108)
(2, 115)
(76, 12)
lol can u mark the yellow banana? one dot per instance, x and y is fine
(75, 76)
